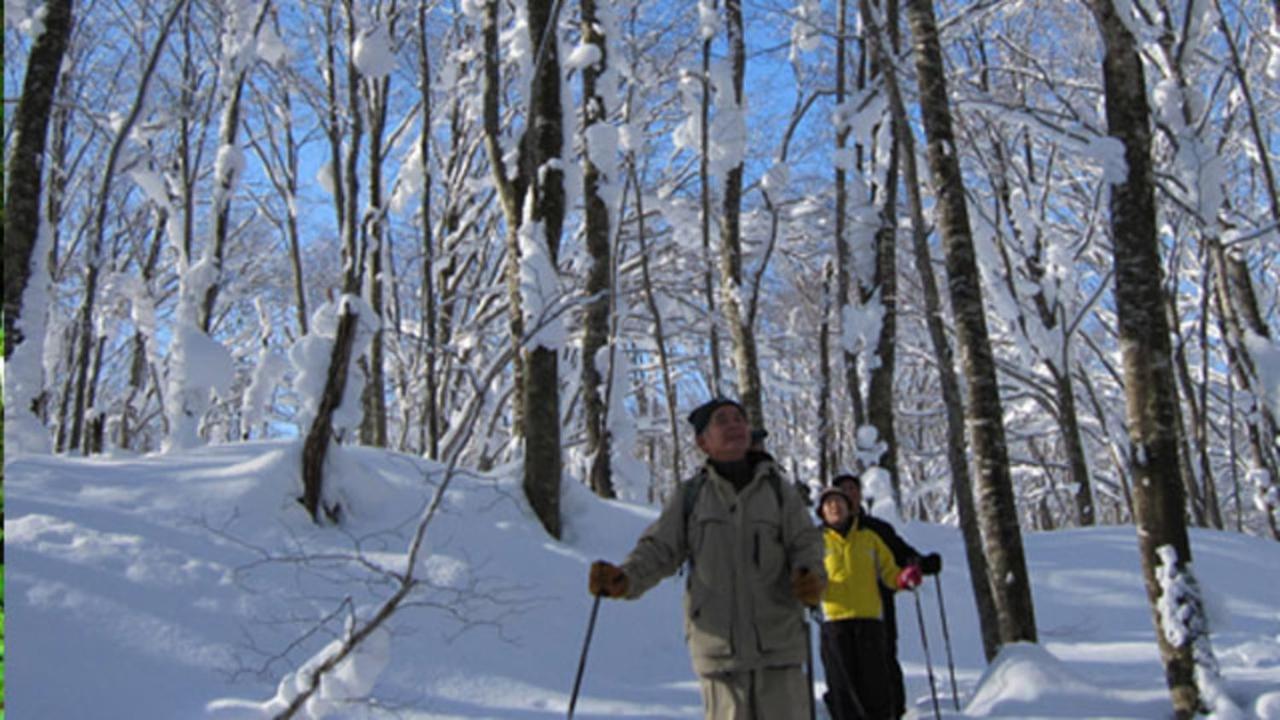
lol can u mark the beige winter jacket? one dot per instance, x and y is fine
(739, 610)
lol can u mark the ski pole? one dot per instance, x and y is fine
(582, 661)
(946, 636)
(924, 642)
(808, 643)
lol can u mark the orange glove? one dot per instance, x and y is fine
(607, 579)
(910, 578)
(808, 587)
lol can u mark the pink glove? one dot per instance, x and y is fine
(910, 578)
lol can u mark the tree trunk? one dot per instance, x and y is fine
(671, 389)
(1073, 445)
(1190, 485)
(539, 182)
(595, 334)
(745, 354)
(704, 178)
(25, 170)
(998, 513)
(1241, 287)
(431, 404)
(1238, 314)
(373, 431)
(1150, 392)
(826, 426)
(952, 399)
(845, 284)
(511, 193)
(885, 285)
(826, 436)
(316, 446)
(228, 129)
(1048, 310)
(540, 154)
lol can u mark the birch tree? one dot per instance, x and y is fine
(953, 401)
(1151, 398)
(997, 512)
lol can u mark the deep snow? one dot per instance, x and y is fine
(188, 585)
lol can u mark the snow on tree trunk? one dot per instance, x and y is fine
(329, 386)
(268, 371)
(878, 293)
(540, 163)
(727, 151)
(1150, 393)
(1184, 622)
(601, 190)
(24, 179)
(533, 203)
(197, 364)
(24, 367)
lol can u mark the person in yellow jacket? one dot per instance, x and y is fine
(853, 640)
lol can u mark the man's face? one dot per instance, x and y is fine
(727, 436)
(853, 491)
(835, 509)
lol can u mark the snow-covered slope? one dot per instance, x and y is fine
(188, 586)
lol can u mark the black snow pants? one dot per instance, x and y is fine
(856, 660)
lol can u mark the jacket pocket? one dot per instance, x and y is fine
(768, 556)
(779, 626)
(708, 620)
(711, 547)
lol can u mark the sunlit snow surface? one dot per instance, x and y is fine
(178, 587)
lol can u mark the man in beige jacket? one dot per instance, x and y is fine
(755, 562)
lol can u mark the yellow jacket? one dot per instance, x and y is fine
(855, 564)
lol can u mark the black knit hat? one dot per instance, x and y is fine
(835, 481)
(701, 415)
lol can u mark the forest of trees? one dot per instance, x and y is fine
(1023, 257)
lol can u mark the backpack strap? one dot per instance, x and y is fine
(689, 490)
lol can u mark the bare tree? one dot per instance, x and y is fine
(953, 401)
(373, 429)
(746, 356)
(430, 308)
(316, 444)
(1236, 299)
(86, 337)
(534, 197)
(882, 290)
(599, 234)
(24, 173)
(997, 509)
(1150, 391)
(278, 153)
(704, 190)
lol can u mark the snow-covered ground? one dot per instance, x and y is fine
(189, 585)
